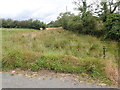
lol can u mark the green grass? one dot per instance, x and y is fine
(58, 50)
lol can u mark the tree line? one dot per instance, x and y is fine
(32, 24)
(102, 21)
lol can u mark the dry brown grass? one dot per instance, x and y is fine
(111, 71)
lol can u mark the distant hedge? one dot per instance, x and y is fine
(33, 24)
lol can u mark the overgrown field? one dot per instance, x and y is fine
(59, 50)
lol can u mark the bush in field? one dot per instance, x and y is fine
(88, 24)
(75, 24)
(112, 26)
(92, 25)
(99, 25)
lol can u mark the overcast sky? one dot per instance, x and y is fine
(44, 10)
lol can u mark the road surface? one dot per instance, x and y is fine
(21, 81)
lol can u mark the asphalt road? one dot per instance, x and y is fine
(19, 81)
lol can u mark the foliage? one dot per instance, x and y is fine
(108, 7)
(56, 23)
(82, 6)
(33, 24)
(63, 18)
(103, 25)
(88, 24)
(113, 26)
(75, 23)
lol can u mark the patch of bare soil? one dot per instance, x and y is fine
(53, 28)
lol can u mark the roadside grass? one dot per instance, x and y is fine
(59, 50)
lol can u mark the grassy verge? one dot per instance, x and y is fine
(59, 50)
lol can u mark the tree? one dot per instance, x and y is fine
(4, 23)
(36, 24)
(112, 26)
(63, 18)
(9, 23)
(82, 7)
(107, 7)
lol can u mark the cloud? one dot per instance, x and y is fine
(45, 10)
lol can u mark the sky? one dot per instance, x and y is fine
(43, 10)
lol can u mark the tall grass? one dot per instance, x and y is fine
(58, 50)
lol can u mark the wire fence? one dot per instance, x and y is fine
(103, 49)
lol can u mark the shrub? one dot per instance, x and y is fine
(75, 23)
(112, 27)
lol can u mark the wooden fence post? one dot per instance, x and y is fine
(104, 52)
